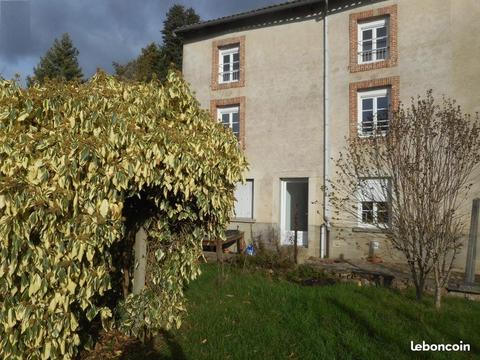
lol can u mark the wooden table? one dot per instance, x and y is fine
(233, 237)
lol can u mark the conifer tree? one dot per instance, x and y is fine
(158, 59)
(147, 65)
(177, 17)
(60, 62)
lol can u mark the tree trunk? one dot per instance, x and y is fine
(418, 292)
(438, 297)
(125, 282)
(139, 270)
(126, 269)
(418, 281)
(220, 267)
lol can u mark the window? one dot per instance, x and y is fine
(231, 113)
(371, 104)
(244, 200)
(373, 41)
(229, 117)
(229, 65)
(373, 111)
(373, 206)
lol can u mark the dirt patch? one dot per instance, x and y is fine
(114, 345)
(309, 276)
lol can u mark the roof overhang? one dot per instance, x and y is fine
(204, 25)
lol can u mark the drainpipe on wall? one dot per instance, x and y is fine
(325, 231)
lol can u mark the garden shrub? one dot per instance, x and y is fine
(71, 156)
(279, 259)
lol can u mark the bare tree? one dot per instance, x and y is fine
(408, 177)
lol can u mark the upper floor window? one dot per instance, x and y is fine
(373, 41)
(231, 113)
(373, 38)
(230, 117)
(229, 65)
(373, 111)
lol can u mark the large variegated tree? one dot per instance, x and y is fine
(82, 167)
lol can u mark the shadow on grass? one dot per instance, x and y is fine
(114, 346)
(397, 308)
(176, 351)
(153, 349)
(139, 351)
(423, 314)
(366, 326)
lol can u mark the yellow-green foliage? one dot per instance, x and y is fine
(70, 155)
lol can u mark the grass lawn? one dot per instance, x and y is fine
(252, 316)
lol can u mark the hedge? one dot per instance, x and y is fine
(71, 157)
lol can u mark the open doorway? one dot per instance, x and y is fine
(294, 211)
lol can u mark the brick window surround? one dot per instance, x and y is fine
(216, 45)
(391, 12)
(238, 101)
(392, 82)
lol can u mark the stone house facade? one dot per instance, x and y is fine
(293, 81)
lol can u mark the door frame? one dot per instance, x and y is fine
(303, 235)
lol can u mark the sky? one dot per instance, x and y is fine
(102, 30)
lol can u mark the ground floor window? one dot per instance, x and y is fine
(374, 212)
(373, 202)
(244, 200)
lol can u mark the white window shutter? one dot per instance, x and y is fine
(373, 190)
(244, 200)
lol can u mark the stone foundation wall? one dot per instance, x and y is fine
(352, 243)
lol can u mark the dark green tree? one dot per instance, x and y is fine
(145, 67)
(177, 17)
(60, 62)
(156, 60)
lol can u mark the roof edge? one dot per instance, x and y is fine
(246, 15)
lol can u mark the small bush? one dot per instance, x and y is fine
(265, 259)
(308, 275)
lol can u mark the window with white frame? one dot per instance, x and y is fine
(374, 202)
(373, 41)
(244, 200)
(373, 111)
(229, 64)
(230, 117)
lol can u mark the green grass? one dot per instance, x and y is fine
(252, 316)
